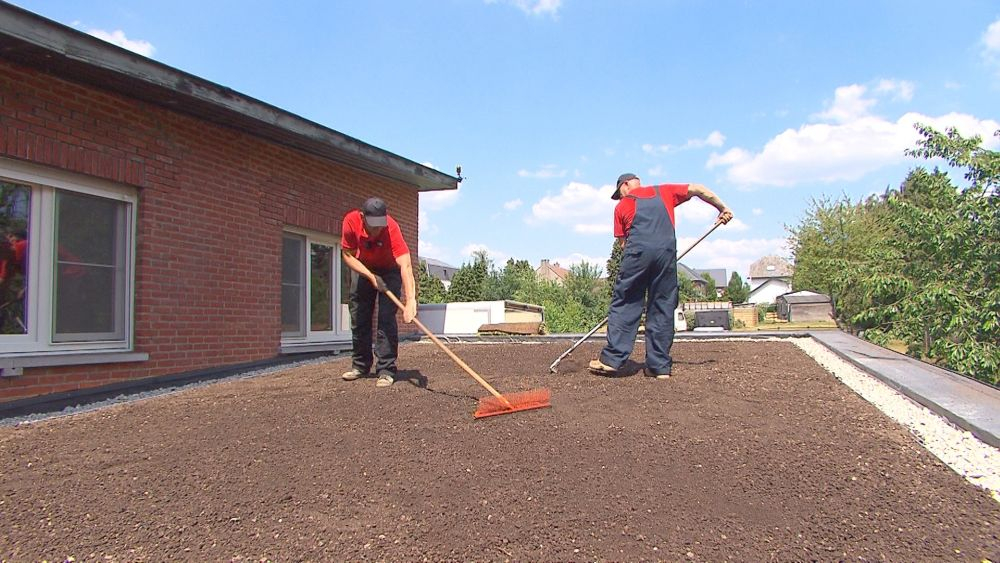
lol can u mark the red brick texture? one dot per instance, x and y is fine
(213, 203)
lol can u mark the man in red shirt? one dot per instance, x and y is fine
(373, 247)
(644, 225)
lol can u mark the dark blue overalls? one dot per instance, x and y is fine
(649, 266)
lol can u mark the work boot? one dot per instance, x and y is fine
(385, 379)
(600, 368)
(353, 374)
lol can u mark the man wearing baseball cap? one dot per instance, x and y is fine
(373, 248)
(644, 226)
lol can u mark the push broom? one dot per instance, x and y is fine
(488, 406)
(552, 368)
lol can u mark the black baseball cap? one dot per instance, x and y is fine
(374, 212)
(621, 180)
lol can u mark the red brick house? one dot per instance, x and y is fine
(173, 225)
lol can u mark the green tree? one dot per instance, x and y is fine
(920, 263)
(429, 288)
(614, 264)
(509, 282)
(933, 282)
(470, 281)
(833, 238)
(686, 289)
(737, 291)
(710, 293)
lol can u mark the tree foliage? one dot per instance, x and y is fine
(686, 288)
(429, 288)
(614, 264)
(737, 291)
(470, 281)
(509, 282)
(919, 264)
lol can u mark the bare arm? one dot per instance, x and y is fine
(708, 196)
(409, 287)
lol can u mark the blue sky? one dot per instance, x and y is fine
(771, 104)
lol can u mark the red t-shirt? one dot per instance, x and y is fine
(380, 252)
(15, 263)
(672, 195)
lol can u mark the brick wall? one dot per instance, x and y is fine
(212, 206)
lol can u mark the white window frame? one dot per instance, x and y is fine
(44, 182)
(340, 316)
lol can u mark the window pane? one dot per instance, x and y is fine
(292, 281)
(90, 268)
(321, 288)
(15, 203)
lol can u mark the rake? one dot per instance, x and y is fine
(552, 368)
(488, 406)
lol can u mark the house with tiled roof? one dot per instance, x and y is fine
(697, 277)
(769, 277)
(439, 270)
(551, 271)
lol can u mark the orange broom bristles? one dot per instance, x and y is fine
(522, 401)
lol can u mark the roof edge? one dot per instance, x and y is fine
(45, 44)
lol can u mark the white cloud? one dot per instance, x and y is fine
(602, 228)
(736, 225)
(849, 104)
(512, 204)
(991, 46)
(576, 258)
(695, 212)
(757, 211)
(498, 257)
(431, 250)
(533, 7)
(899, 89)
(733, 255)
(991, 38)
(438, 200)
(581, 206)
(714, 139)
(547, 171)
(855, 144)
(424, 224)
(117, 37)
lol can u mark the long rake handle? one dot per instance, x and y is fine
(552, 368)
(451, 354)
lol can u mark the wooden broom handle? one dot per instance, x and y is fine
(451, 354)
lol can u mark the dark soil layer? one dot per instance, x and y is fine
(751, 452)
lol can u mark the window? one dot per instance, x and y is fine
(314, 289)
(66, 264)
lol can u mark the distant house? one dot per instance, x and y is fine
(439, 270)
(549, 271)
(804, 306)
(770, 277)
(697, 278)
